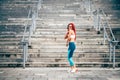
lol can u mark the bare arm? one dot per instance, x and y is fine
(67, 37)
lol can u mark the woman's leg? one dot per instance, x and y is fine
(71, 62)
(70, 54)
(71, 50)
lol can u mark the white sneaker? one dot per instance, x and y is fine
(74, 70)
(69, 70)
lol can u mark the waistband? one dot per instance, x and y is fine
(71, 42)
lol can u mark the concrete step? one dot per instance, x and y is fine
(43, 25)
(9, 46)
(80, 41)
(47, 46)
(61, 36)
(63, 43)
(62, 50)
(37, 51)
(63, 33)
(65, 64)
(11, 51)
(9, 43)
(79, 53)
(65, 60)
(11, 28)
(50, 36)
(63, 2)
(75, 58)
(60, 28)
(9, 39)
(57, 64)
(2, 53)
(76, 55)
(11, 60)
(56, 58)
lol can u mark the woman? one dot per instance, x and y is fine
(71, 38)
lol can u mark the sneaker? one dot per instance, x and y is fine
(74, 70)
(69, 70)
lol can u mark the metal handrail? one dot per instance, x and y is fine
(24, 42)
(27, 42)
(105, 32)
(108, 25)
(101, 11)
(112, 41)
(33, 25)
(25, 30)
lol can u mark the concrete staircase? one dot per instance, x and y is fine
(48, 44)
(13, 18)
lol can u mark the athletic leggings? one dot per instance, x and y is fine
(71, 49)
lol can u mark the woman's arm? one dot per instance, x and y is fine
(66, 36)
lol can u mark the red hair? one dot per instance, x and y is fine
(73, 28)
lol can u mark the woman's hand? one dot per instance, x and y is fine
(66, 44)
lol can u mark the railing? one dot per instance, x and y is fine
(101, 22)
(26, 39)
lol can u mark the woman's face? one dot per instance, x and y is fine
(69, 27)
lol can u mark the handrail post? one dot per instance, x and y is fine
(34, 21)
(110, 50)
(104, 35)
(38, 7)
(25, 52)
(97, 19)
(114, 44)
